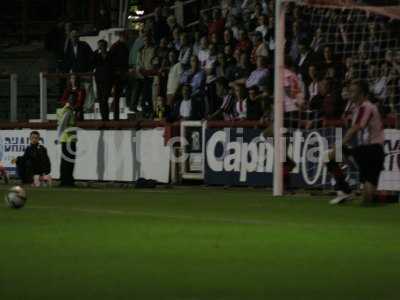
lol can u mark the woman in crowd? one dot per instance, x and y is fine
(75, 94)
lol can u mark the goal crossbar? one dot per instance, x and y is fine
(391, 11)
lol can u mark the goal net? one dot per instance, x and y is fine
(321, 46)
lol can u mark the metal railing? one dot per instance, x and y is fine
(13, 81)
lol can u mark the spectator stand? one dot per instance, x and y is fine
(111, 35)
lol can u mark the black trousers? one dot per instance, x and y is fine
(26, 169)
(103, 93)
(68, 154)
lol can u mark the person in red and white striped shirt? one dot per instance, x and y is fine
(367, 126)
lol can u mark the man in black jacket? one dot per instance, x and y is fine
(119, 60)
(78, 56)
(103, 76)
(35, 160)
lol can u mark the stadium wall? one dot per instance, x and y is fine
(242, 156)
(102, 155)
(237, 156)
(218, 154)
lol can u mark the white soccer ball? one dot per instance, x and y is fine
(15, 197)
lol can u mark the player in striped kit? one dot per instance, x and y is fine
(368, 154)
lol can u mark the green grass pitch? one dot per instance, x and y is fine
(196, 244)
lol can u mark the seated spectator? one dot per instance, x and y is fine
(332, 104)
(204, 52)
(329, 62)
(296, 35)
(236, 55)
(228, 51)
(303, 60)
(196, 43)
(159, 109)
(262, 25)
(260, 75)
(234, 27)
(35, 163)
(229, 7)
(317, 42)
(194, 77)
(362, 61)
(76, 94)
(216, 41)
(270, 37)
(328, 102)
(209, 66)
(241, 102)
(217, 24)
(244, 43)
(254, 106)
(162, 52)
(314, 78)
(293, 98)
(241, 71)
(185, 109)
(379, 79)
(389, 56)
(159, 85)
(227, 109)
(260, 48)
(229, 39)
(176, 39)
(185, 52)
(210, 69)
(192, 107)
(348, 70)
(221, 65)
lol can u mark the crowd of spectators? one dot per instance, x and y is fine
(222, 68)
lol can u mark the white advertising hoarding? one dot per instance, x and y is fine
(103, 155)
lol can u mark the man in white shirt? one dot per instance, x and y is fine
(185, 109)
(174, 76)
(204, 52)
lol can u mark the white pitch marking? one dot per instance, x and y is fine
(155, 215)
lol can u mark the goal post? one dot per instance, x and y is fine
(280, 8)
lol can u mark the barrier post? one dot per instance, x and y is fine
(13, 97)
(43, 97)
